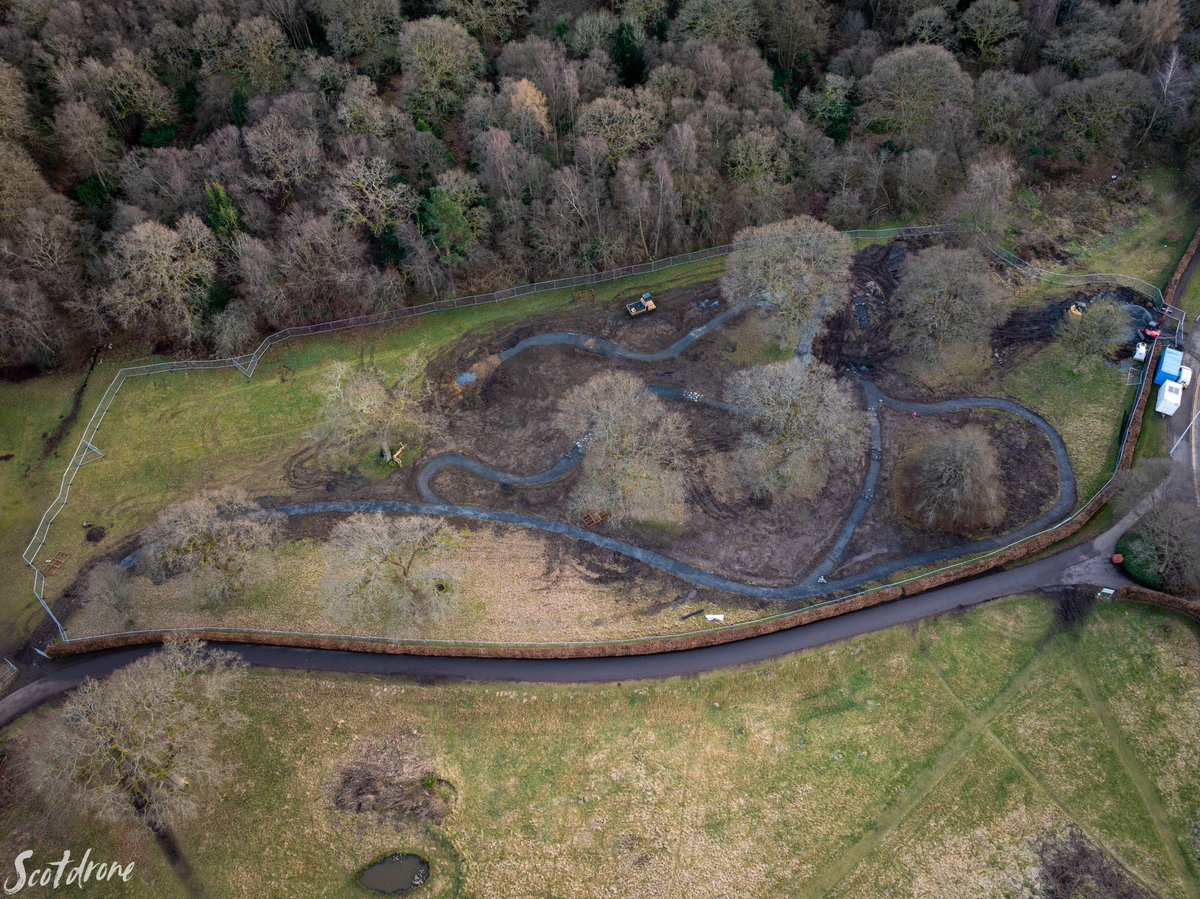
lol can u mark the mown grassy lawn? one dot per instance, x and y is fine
(924, 761)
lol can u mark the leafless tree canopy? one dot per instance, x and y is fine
(633, 466)
(1100, 331)
(210, 537)
(947, 296)
(1170, 538)
(135, 749)
(952, 484)
(801, 266)
(366, 406)
(807, 423)
(383, 570)
(368, 154)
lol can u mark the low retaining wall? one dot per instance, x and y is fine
(1173, 287)
(666, 643)
(1188, 607)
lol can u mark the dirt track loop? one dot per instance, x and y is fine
(814, 585)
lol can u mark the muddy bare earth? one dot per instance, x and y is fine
(506, 419)
(1030, 488)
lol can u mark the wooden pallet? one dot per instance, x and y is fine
(586, 294)
(52, 565)
(591, 519)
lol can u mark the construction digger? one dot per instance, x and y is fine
(640, 306)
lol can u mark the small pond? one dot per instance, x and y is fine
(395, 874)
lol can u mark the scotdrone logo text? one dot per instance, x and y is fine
(56, 874)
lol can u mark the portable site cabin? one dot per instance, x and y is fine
(1169, 366)
(1170, 395)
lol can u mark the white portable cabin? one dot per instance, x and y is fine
(1170, 395)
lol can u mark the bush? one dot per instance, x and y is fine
(952, 484)
(1141, 562)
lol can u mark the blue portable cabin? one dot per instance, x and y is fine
(1169, 366)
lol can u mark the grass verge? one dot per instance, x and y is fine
(918, 760)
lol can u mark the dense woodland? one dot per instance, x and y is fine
(191, 174)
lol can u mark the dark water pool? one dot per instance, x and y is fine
(395, 874)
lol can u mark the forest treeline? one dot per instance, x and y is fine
(192, 174)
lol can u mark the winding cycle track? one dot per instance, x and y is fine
(64, 675)
(814, 584)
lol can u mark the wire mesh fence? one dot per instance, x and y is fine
(8, 676)
(87, 450)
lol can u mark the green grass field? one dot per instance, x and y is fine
(1084, 406)
(929, 760)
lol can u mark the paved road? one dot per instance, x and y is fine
(64, 675)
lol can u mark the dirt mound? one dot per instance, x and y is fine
(388, 779)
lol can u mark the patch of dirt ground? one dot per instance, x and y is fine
(1030, 488)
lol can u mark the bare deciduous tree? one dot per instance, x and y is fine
(365, 405)
(27, 330)
(994, 28)
(1100, 113)
(806, 424)
(1009, 107)
(135, 750)
(440, 62)
(1173, 87)
(488, 20)
(1166, 542)
(85, 139)
(907, 89)
(21, 185)
(801, 266)
(1150, 28)
(953, 484)
(946, 296)
(731, 20)
(366, 192)
(1098, 332)
(632, 466)
(107, 592)
(161, 276)
(528, 115)
(985, 201)
(285, 155)
(383, 570)
(14, 103)
(624, 125)
(210, 537)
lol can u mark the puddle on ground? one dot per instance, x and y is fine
(395, 874)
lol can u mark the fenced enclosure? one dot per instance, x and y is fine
(88, 451)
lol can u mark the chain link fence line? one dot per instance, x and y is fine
(8, 676)
(87, 451)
